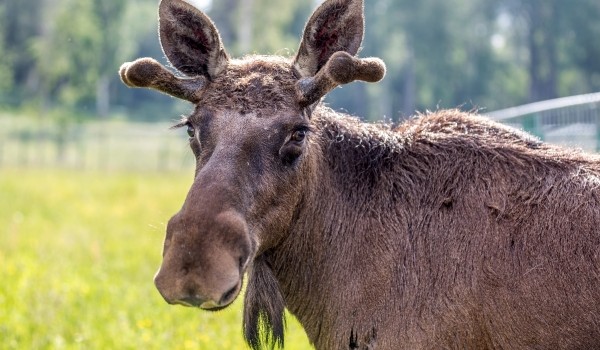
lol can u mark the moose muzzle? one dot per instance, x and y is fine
(204, 259)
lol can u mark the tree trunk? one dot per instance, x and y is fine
(410, 86)
(102, 96)
(246, 16)
(221, 14)
(542, 51)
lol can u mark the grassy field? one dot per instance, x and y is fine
(78, 251)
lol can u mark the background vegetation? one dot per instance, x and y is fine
(488, 53)
(78, 254)
(79, 246)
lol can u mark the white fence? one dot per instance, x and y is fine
(123, 145)
(97, 145)
(571, 121)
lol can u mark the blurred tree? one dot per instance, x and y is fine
(109, 15)
(262, 26)
(560, 40)
(78, 55)
(6, 76)
(19, 22)
(486, 53)
(67, 55)
(580, 51)
(275, 27)
(222, 14)
(433, 58)
(544, 32)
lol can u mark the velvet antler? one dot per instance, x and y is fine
(341, 68)
(147, 72)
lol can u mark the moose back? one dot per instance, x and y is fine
(448, 231)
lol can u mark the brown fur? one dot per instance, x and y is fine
(449, 231)
(256, 83)
(452, 232)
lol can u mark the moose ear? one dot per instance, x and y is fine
(336, 25)
(190, 40)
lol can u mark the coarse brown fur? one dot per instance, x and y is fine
(449, 231)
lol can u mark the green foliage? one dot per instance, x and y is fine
(78, 254)
(78, 49)
(17, 25)
(6, 81)
(272, 32)
(66, 57)
(471, 53)
(260, 26)
(5, 63)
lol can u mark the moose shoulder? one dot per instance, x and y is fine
(449, 231)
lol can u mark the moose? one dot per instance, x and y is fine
(447, 231)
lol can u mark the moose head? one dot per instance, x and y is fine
(251, 135)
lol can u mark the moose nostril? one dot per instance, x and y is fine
(228, 296)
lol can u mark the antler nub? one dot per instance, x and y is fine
(147, 72)
(341, 68)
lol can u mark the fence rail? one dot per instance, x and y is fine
(120, 145)
(99, 145)
(572, 121)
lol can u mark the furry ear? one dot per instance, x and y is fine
(336, 25)
(190, 40)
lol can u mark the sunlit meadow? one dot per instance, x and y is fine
(78, 251)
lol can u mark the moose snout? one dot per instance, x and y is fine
(204, 262)
(194, 295)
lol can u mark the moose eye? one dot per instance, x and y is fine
(191, 131)
(298, 135)
(293, 148)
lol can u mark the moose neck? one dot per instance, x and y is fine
(336, 229)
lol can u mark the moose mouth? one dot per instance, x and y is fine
(209, 305)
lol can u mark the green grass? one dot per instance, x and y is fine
(78, 251)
